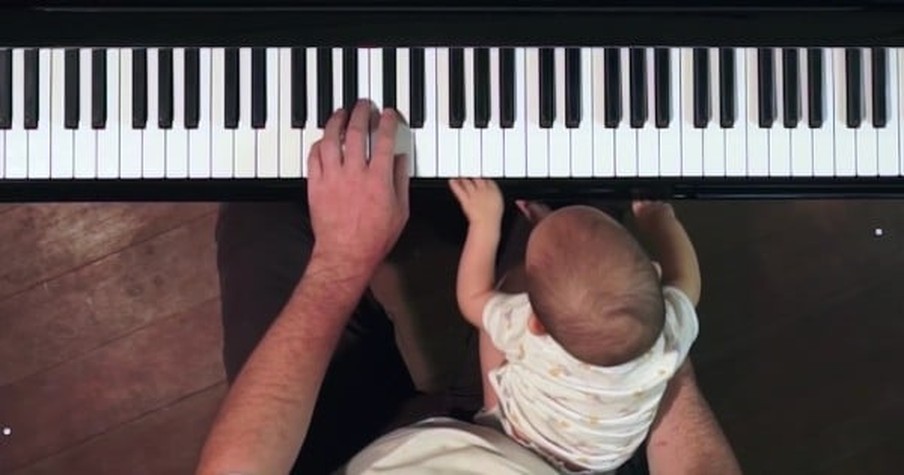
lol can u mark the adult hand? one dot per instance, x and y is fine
(358, 207)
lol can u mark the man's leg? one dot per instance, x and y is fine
(263, 249)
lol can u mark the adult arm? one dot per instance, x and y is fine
(358, 209)
(686, 437)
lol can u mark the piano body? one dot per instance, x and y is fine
(220, 99)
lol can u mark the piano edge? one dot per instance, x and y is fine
(275, 189)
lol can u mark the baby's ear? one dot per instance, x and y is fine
(535, 326)
(658, 269)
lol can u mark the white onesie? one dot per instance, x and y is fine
(569, 411)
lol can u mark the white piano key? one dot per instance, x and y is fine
(245, 151)
(17, 138)
(85, 149)
(267, 139)
(492, 149)
(845, 146)
(130, 151)
(447, 138)
(311, 132)
(888, 135)
(515, 138)
(692, 137)
(866, 138)
(469, 135)
(364, 75)
(625, 136)
(582, 137)
(648, 135)
(802, 135)
(403, 80)
(757, 137)
(425, 138)
(289, 138)
(714, 134)
(108, 146)
(39, 139)
(61, 139)
(559, 136)
(199, 140)
(338, 96)
(2, 153)
(603, 138)
(537, 137)
(375, 76)
(154, 151)
(177, 136)
(736, 137)
(824, 137)
(670, 137)
(222, 140)
(779, 136)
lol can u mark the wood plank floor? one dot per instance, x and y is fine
(110, 334)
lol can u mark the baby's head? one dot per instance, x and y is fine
(592, 286)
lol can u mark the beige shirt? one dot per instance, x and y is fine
(444, 446)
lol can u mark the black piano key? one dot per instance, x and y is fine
(880, 87)
(165, 88)
(390, 83)
(507, 87)
(702, 105)
(613, 88)
(139, 88)
(547, 87)
(662, 73)
(638, 88)
(815, 76)
(231, 72)
(481, 87)
(192, 97)
(258, 88)
(456, 88)
(766, 87)
(572, 88)
(791, 87)
(349, 78)
(727, 88)
(299, 88)
(6, 88)
(30, 76)
(417, 90)
(71, 89)
(324, 86)
(99, 88)
(853, 77)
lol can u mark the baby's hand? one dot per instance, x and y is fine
(644, 208)
(480, 199)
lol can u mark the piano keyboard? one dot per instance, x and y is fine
(233, 113)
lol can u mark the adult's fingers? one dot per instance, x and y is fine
(383, 159)
(315, 167)
(357, 133)
(331, 143)
(402, 178)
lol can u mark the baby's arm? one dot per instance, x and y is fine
(481, 202)
(672, 247)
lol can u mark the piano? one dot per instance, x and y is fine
(222, 99)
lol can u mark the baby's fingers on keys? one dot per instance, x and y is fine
(457, 189)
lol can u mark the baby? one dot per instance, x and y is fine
(576, 361)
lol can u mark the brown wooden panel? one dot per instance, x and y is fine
(119, 383)
(40, 241)
(102, 301)
(166, 441)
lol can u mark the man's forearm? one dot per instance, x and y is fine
(477, 268)
(686, 437)
(674, 251)
(263, 421)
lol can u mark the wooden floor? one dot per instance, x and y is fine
(110, 336)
